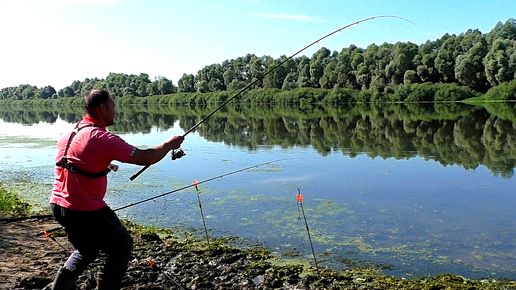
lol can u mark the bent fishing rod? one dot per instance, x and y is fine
(273, 69)
(179, 189)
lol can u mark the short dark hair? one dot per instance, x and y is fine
(94, 98)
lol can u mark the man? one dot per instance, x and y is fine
(80, 183)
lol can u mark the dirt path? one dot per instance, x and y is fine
(24, 255)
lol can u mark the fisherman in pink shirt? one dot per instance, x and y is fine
(80, 183)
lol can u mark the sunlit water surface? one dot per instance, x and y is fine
(413, 216)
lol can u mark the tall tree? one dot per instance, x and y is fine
(303, 72)
(402, 61)
(213, 76)
(29, 92)
(142, 90)
(165, 86)
(425, 62)
(317, 64)
(499, 67)
(469, 69)
(276, 78)
(506, 30)
(152, 89)
(446, 57)
(186, 83)
(344, 69)
(365, 64)
(379, 59)
(410, 77)
(330, 75)
(259, 66)
(47, 92)
(290, 81)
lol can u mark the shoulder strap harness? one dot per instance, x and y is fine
(72, 168)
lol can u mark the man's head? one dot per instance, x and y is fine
(99, 105)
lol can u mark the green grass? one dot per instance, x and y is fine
(483, 99)
(480, 99)
(11, 204)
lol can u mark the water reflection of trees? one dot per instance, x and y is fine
(451, 134)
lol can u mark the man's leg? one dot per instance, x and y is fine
(118, 245)
(85, 249)
(65, 279)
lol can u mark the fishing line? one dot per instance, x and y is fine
(273, 69)
(200, 182)
(184, 187)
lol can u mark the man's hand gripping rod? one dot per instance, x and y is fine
(176, 154)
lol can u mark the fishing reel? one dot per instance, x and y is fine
(177, 153)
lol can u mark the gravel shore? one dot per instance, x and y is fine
(161, 260)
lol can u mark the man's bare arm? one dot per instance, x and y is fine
(153, 155)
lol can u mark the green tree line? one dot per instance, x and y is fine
(471, 61)
(117, 84)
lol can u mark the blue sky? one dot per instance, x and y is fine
(54, 42)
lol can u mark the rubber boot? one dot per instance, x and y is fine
(65, 279)
(109, 281)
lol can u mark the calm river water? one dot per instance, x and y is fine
(414, 190)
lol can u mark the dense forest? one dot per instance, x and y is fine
(464, 65)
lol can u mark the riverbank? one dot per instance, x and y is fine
(162, 260)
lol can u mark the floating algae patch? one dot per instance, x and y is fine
(272, 168)
(417, 256)
(362, 245)
(25, 142)
(292, 185)
(278, 219)
(337, 229)
(328, 208)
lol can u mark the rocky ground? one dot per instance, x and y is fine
(164, 261)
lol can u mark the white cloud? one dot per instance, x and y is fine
(297, 17)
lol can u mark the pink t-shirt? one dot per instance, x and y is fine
(92, 149)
